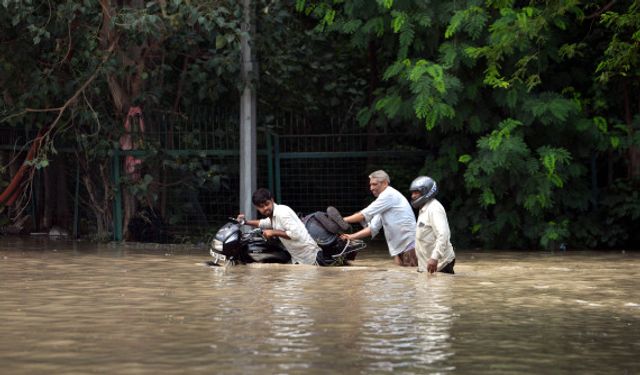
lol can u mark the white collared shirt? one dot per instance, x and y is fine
(392, 211)
(433, 236)
(301, 246)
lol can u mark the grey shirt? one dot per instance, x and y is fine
(392, 211)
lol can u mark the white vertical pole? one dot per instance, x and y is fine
(248, 114)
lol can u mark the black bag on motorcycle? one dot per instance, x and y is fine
(325, 229)
(316, 224)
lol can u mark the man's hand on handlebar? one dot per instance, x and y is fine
(275, 233)
(268, 233)
(347, 236)
(241, 219)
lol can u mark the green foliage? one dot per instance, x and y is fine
(530, 108)
(554, 233)
(615, 221)
(549, 108)
(471, 20)
(512, 84)
(622, 56)
(552, 159)
(303, 70)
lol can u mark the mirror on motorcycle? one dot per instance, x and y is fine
(235, 220)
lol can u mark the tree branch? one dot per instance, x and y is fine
(69, 101)
(601, 10)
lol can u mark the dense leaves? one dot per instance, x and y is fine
(536, 100)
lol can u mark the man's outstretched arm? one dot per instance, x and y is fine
(253, 223)
(366, 232)
(355, 218)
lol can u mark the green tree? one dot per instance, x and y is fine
(80, 66)
(512, 93)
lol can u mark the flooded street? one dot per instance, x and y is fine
(78, 308)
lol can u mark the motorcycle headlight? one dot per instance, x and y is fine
(217, 245)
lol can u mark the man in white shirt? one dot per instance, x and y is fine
(390, 211)
(280, 221)
(433, 236)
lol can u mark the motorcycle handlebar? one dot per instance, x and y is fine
(235, 220)
(255, 231)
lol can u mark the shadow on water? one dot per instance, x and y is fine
(70, 307)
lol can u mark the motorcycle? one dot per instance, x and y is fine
(232, 245)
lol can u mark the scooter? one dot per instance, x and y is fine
(233, 245)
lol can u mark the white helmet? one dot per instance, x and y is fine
(427, 188)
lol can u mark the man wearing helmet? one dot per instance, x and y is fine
(390, 211)
(433, 245)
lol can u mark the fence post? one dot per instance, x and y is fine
(269, 161)
(248, 110)
(276, 160)
(76, 201)
(117, 204)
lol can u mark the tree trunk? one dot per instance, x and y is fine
(99, 203)
(55, 204)
(123, 90)
(48, 203)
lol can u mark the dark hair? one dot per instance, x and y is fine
(260, 196)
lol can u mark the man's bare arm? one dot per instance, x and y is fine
(253, 223)
(355, 218)
(366, 232)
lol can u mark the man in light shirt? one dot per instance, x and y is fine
(280, 221)
(390, 211)
(433, 236)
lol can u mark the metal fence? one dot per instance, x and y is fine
(309, 164)
(335, 172)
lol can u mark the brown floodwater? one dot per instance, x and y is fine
(78, 308)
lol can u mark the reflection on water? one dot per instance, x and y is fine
(79, 308)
